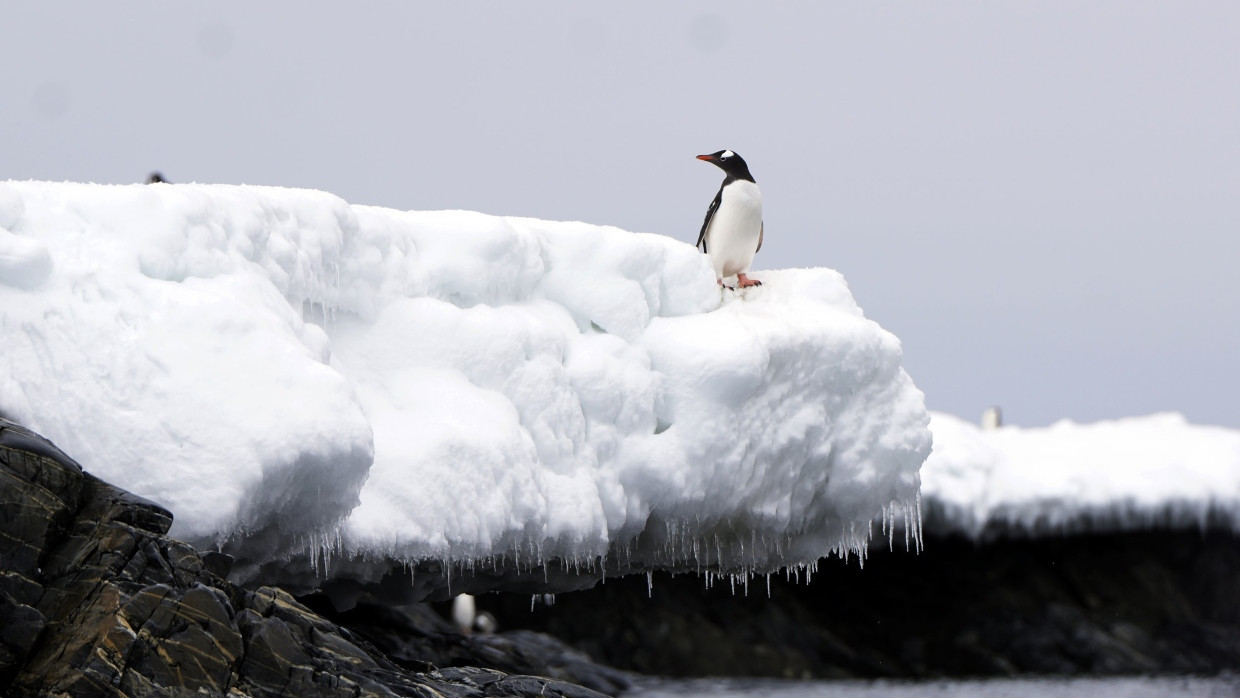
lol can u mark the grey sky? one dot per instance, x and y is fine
(1042, 199)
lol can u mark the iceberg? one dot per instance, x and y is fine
(334, 391)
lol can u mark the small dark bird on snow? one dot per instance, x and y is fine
(732, 231)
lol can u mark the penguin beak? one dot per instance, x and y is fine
(707, 158)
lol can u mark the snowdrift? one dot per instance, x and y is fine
(1128, 474)
(305, 381)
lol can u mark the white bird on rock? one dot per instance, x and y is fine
(732, 232)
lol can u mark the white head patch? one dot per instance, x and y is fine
(726, 154)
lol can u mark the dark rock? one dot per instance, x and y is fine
(217, 564)
(272, 651)
(18, 632)
(1090, 604)
(418, 638)
(95, 600)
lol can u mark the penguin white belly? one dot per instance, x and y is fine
(732, 238)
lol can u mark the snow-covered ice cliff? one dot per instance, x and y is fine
(1120, 475)
(288, 372)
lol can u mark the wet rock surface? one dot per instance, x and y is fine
(96, 601)
(1153, 602)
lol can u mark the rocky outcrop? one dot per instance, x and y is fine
(1149, 602)
(96, 601)
(416, 634)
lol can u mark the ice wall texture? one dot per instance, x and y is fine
(1127, 474)
(286, 372)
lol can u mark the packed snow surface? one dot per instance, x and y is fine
(285, 370)
(1125, 474)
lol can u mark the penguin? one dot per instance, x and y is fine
(992, 418)
(469, 619)
(464, 613)
(732, 231)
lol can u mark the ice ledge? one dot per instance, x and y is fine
(326, 389)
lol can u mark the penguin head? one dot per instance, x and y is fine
(730, 162)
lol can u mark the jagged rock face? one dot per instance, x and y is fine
(96, 601)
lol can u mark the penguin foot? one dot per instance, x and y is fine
(745, 282)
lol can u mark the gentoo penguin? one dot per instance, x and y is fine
(732, 231)
(468, 618)
(464, 612)
(992, 418)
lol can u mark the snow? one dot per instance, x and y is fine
(24, 262)
(295, 376)
(1126, 474)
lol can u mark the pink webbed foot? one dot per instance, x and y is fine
(745, 282)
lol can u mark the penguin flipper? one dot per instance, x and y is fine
(710, 214)
(761, 231)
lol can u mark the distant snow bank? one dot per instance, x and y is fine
(291, 373)
(1127, 474)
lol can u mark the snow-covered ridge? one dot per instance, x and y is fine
(1127, 474)
(281, 368)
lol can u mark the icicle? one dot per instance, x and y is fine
(907, 528)
(889, 523)
(920, 541)
(649, 584)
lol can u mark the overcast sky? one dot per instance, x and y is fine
(1041, 199)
